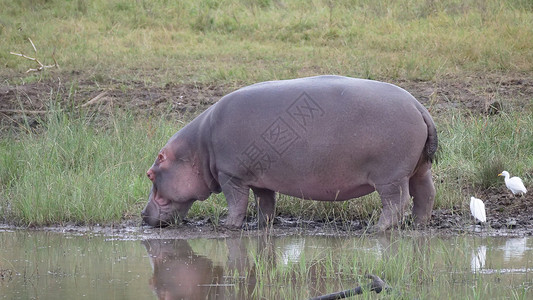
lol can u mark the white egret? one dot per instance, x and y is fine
(515, 184)
(477, 208)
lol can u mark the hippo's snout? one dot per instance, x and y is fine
(150, 215)
(152, 221)
(146, 217)
(150, 175)
(144, 214)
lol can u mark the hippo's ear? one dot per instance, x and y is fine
(161, 157)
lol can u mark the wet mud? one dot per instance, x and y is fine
(443, 223)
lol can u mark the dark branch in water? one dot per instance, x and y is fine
(377, 285)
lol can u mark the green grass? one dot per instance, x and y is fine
(475, 149)
(73, 168)
(77, 171)
(249, 41)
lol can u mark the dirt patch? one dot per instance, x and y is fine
(485, 94)
(31, 101)
(475, 94)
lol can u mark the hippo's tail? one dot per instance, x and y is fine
(432, 142)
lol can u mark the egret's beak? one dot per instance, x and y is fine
(500, 174)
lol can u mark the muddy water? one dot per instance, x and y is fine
(49, 265)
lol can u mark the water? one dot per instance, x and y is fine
(47, 265)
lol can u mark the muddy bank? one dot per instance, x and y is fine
(443, 223)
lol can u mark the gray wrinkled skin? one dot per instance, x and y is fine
(327, 138)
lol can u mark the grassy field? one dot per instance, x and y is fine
(74, 172)
(76, 167)
(248, 41)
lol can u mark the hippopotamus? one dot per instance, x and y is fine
(327, 138)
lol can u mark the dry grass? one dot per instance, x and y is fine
(232, 40)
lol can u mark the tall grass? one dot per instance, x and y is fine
(77, 171)
(250, 41)
(71, 169)
(475, 149)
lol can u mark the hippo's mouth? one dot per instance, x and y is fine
(157, 198)
(155, 213)
(162, 211)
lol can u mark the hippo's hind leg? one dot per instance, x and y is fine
(394, 197)
(237, 198)
(266, 202)
(423, 191)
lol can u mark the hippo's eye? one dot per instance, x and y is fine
(160, 158)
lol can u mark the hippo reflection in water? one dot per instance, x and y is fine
(324, 138)
(181, 274)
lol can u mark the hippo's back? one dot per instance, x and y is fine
(328, 104)
(336, 93)
(332, 131)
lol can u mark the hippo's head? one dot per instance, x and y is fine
(177, 183)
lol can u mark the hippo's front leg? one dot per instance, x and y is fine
(237, 198)
(266, 202)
